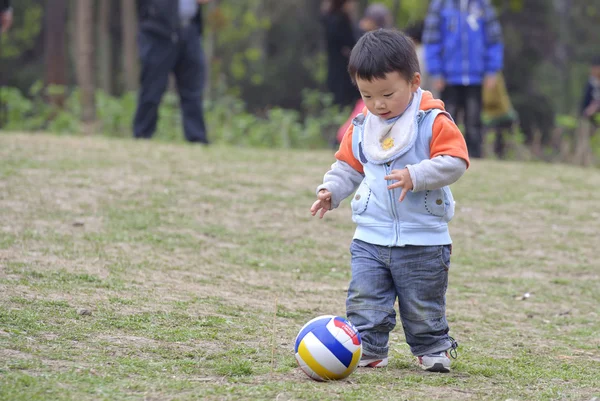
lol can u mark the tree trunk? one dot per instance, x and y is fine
(130, 53)
(396, 12)
(55, 48)
(563, 10)
(85, 58)
(210, 42)
(104, 60)
(116, 48)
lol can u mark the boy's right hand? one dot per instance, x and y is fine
(323, 203)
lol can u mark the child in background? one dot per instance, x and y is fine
(498, 114)
(401, 153)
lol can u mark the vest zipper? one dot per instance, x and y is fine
(392, 205)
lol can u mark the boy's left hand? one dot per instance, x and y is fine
(404, 181)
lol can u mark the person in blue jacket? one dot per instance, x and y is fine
(463, 51)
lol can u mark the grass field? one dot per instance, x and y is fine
(197, 267)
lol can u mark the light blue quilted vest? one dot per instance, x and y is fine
(422, 217)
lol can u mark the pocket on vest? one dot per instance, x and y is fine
(361, 199)
(439, 202)
(449, 202)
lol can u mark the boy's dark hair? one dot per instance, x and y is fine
(596, 61)
(380, 52)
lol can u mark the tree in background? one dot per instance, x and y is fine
(85, 59)
(405, 12)
(531, 19)
(268, 52)
(129, 52)
(55, 50)
(22, 48)
(104, 50)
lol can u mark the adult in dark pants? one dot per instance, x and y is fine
(463, 51)
(170, 41)
(6, 16)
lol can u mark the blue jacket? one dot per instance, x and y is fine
(463, 41)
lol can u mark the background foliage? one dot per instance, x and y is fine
(267, 56)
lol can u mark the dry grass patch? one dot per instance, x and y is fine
(181, 254)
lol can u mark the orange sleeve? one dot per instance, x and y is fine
(345, 153)
(447, 140)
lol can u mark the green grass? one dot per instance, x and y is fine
(200, 265)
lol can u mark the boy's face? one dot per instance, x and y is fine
(388, 97)
(595, 71)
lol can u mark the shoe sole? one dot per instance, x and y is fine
(437, 368)
(376, 364)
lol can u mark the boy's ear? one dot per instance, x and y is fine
(416, 82)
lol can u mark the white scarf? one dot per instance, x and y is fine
(383, 139)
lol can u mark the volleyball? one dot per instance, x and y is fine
(328, 348)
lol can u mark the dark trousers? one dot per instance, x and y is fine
(159, 57)
(467, 99)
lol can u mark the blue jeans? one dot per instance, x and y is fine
(418, 277)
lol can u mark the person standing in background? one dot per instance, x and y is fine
(590, 106)
(463, 51)
(170, 41)
(377, 16)
(340, 37)
(6, 16)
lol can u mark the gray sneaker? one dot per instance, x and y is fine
(436, 362)
(439, 361)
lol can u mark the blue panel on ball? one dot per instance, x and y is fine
(333, 345)
(308, 329)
